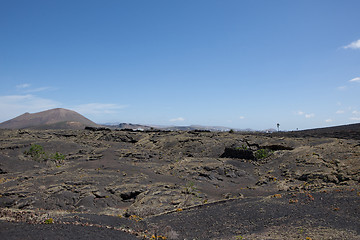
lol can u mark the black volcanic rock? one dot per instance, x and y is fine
(238, 153)
(119, 184)
(94, 129)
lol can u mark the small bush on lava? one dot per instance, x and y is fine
(36, 152)
(262, 153)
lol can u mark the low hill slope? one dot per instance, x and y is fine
(350, 131)
(57, 118)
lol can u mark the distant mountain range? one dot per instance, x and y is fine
(57, 118)
(196, 127)
(172, 128)
(60, 118)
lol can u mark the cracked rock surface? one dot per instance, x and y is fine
(181, 184)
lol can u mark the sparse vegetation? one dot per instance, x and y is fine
(135, 218)
(57, 156)
(49, 221)
(190, 188)
(37, 153)
(158, 237)
(262, 153)
(243, 147)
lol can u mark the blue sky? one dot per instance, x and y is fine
(241, 64)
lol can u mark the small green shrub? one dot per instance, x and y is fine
(36, 152)
(49, 221)
(262, 153)
(57, 156)
(243, 147)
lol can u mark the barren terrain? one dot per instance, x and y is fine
(179, 185)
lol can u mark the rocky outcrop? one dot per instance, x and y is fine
(147, 173)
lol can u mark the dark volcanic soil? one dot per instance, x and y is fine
(179, 185)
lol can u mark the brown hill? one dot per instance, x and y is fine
(57, 118)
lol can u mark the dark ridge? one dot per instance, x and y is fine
(350, 131)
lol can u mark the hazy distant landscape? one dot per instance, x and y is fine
(67, 119)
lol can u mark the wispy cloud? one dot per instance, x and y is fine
(353, 45)
(14, 105)
(179, 119)
(355, 118)
(355, 112)
(40, 89)
(26, 88)
(328, 120)
(340, 112)
(307, 115)
(241, 117)
(22, 86)
(342, 88)
(357, 79)
(98, 108)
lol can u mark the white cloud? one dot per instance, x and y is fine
(241, 117)
(98, 108)
(13, 105)
(24, 85)
(40, 89)
(328, 120)
(356, 112)
(307, 115)
(340, 112)
(179, 119)
(353, 45)
(355, 118)
(357, 79)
